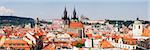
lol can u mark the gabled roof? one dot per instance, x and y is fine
(97, 36)
(146, 32)
(49, 47)
(89, 35)
(73, 34)
(15, 41)
(105, 44)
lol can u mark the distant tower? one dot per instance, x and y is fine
(65, 14)
(137, 28)
(65, 18)
(117, 27)
(75, 18)
(37, 21)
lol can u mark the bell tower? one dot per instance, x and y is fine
(65, 17)
(65, 14)
(137, 28)
(75, 18)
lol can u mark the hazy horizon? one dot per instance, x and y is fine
(93, 9)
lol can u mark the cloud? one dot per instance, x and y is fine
(4, 10)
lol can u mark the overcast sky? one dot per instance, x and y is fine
(94, 9)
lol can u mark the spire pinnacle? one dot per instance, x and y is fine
(65, 13)
(74, 13)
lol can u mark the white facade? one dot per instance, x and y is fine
(29, 38)
(88, 43)
(96, 43)
(96, 21)
(137, 28)
(28, 25)
(130, 47)
(120, 44)
(1, 31)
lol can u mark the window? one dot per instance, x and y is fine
(137, 42)
(94, 32)
(23, 49)
(22, 44)
(14, 44)
(18, 49)
(133, 47)
(128, 46)
(10, 44)
(18, 44)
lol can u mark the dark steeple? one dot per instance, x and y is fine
(38, 21)
(65, 13)
(65, 18)
(74, 15)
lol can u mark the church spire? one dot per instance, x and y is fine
(65, 13)
(74, 13)
(65, 18)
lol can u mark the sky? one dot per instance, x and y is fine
(93, 9)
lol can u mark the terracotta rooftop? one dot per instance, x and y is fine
(89, 35)
(105, 44)
(49, 47)
(76, 25)
(72, 34)
(15, 41)
(97, 36)
(146, 32)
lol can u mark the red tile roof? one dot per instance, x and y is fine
(49, 47)
(97, 36)
(89, 35)
(76, 25)
(105, 44)
(17, 41)
(73, 34)
(146, 32)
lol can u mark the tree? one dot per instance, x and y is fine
(79, 45)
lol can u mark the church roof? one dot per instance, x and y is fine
(76, 25)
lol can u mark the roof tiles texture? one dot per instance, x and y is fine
(76, 25)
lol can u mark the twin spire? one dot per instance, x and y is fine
(74, 14)
(65, 13)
